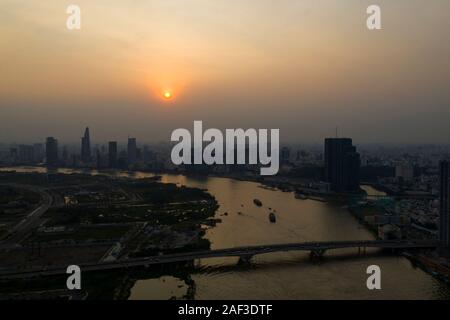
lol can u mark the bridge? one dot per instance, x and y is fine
(316, 249)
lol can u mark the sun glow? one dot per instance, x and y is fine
(167, 94)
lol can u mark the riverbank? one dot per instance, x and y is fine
(432, 265)
(428, 261)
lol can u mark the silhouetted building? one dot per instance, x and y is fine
(444, 225)
(65, 155)
(26, 153)
(99, 159)
(373, 173)
(112, 154)
(404, 172)
(86, 147)
(51, 151)
(285, 155)
(132, 151)
(147, 154)
(342, 165)
(122, 160)
(38, 152)
(138, 154)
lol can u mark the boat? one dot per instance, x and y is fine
(272, 217)
(301, 196)
(257, 202)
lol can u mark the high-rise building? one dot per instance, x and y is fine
(132, 151)
(86, 147)
(444, 224)
(342, 165)
(112, 154)
(51, 151)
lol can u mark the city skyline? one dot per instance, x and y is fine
(123, 140)
(303, 67)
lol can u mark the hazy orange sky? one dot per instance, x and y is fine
(304, 66)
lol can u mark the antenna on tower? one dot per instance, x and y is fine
(337, 129)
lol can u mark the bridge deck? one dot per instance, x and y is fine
(230, 252)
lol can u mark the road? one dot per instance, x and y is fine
(31, 220)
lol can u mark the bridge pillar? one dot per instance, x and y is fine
(246, 259)
(317, 254)
(395, 250)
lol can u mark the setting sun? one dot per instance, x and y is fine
(168, 95)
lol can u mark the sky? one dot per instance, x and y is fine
(302, 66)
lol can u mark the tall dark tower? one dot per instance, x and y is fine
(132, 151)
(342, 165)
(51, 151)
(444, 224)
(112, 154)
(86, 147)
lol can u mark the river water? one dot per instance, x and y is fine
(340, 275)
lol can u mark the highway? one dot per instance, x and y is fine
(31, 220)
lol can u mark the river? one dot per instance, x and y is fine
(340, 275)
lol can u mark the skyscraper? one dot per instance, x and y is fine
(132, 151)
(444, 225)
(51, 151)
(342, 165)
(112, 154)
(86, 147)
